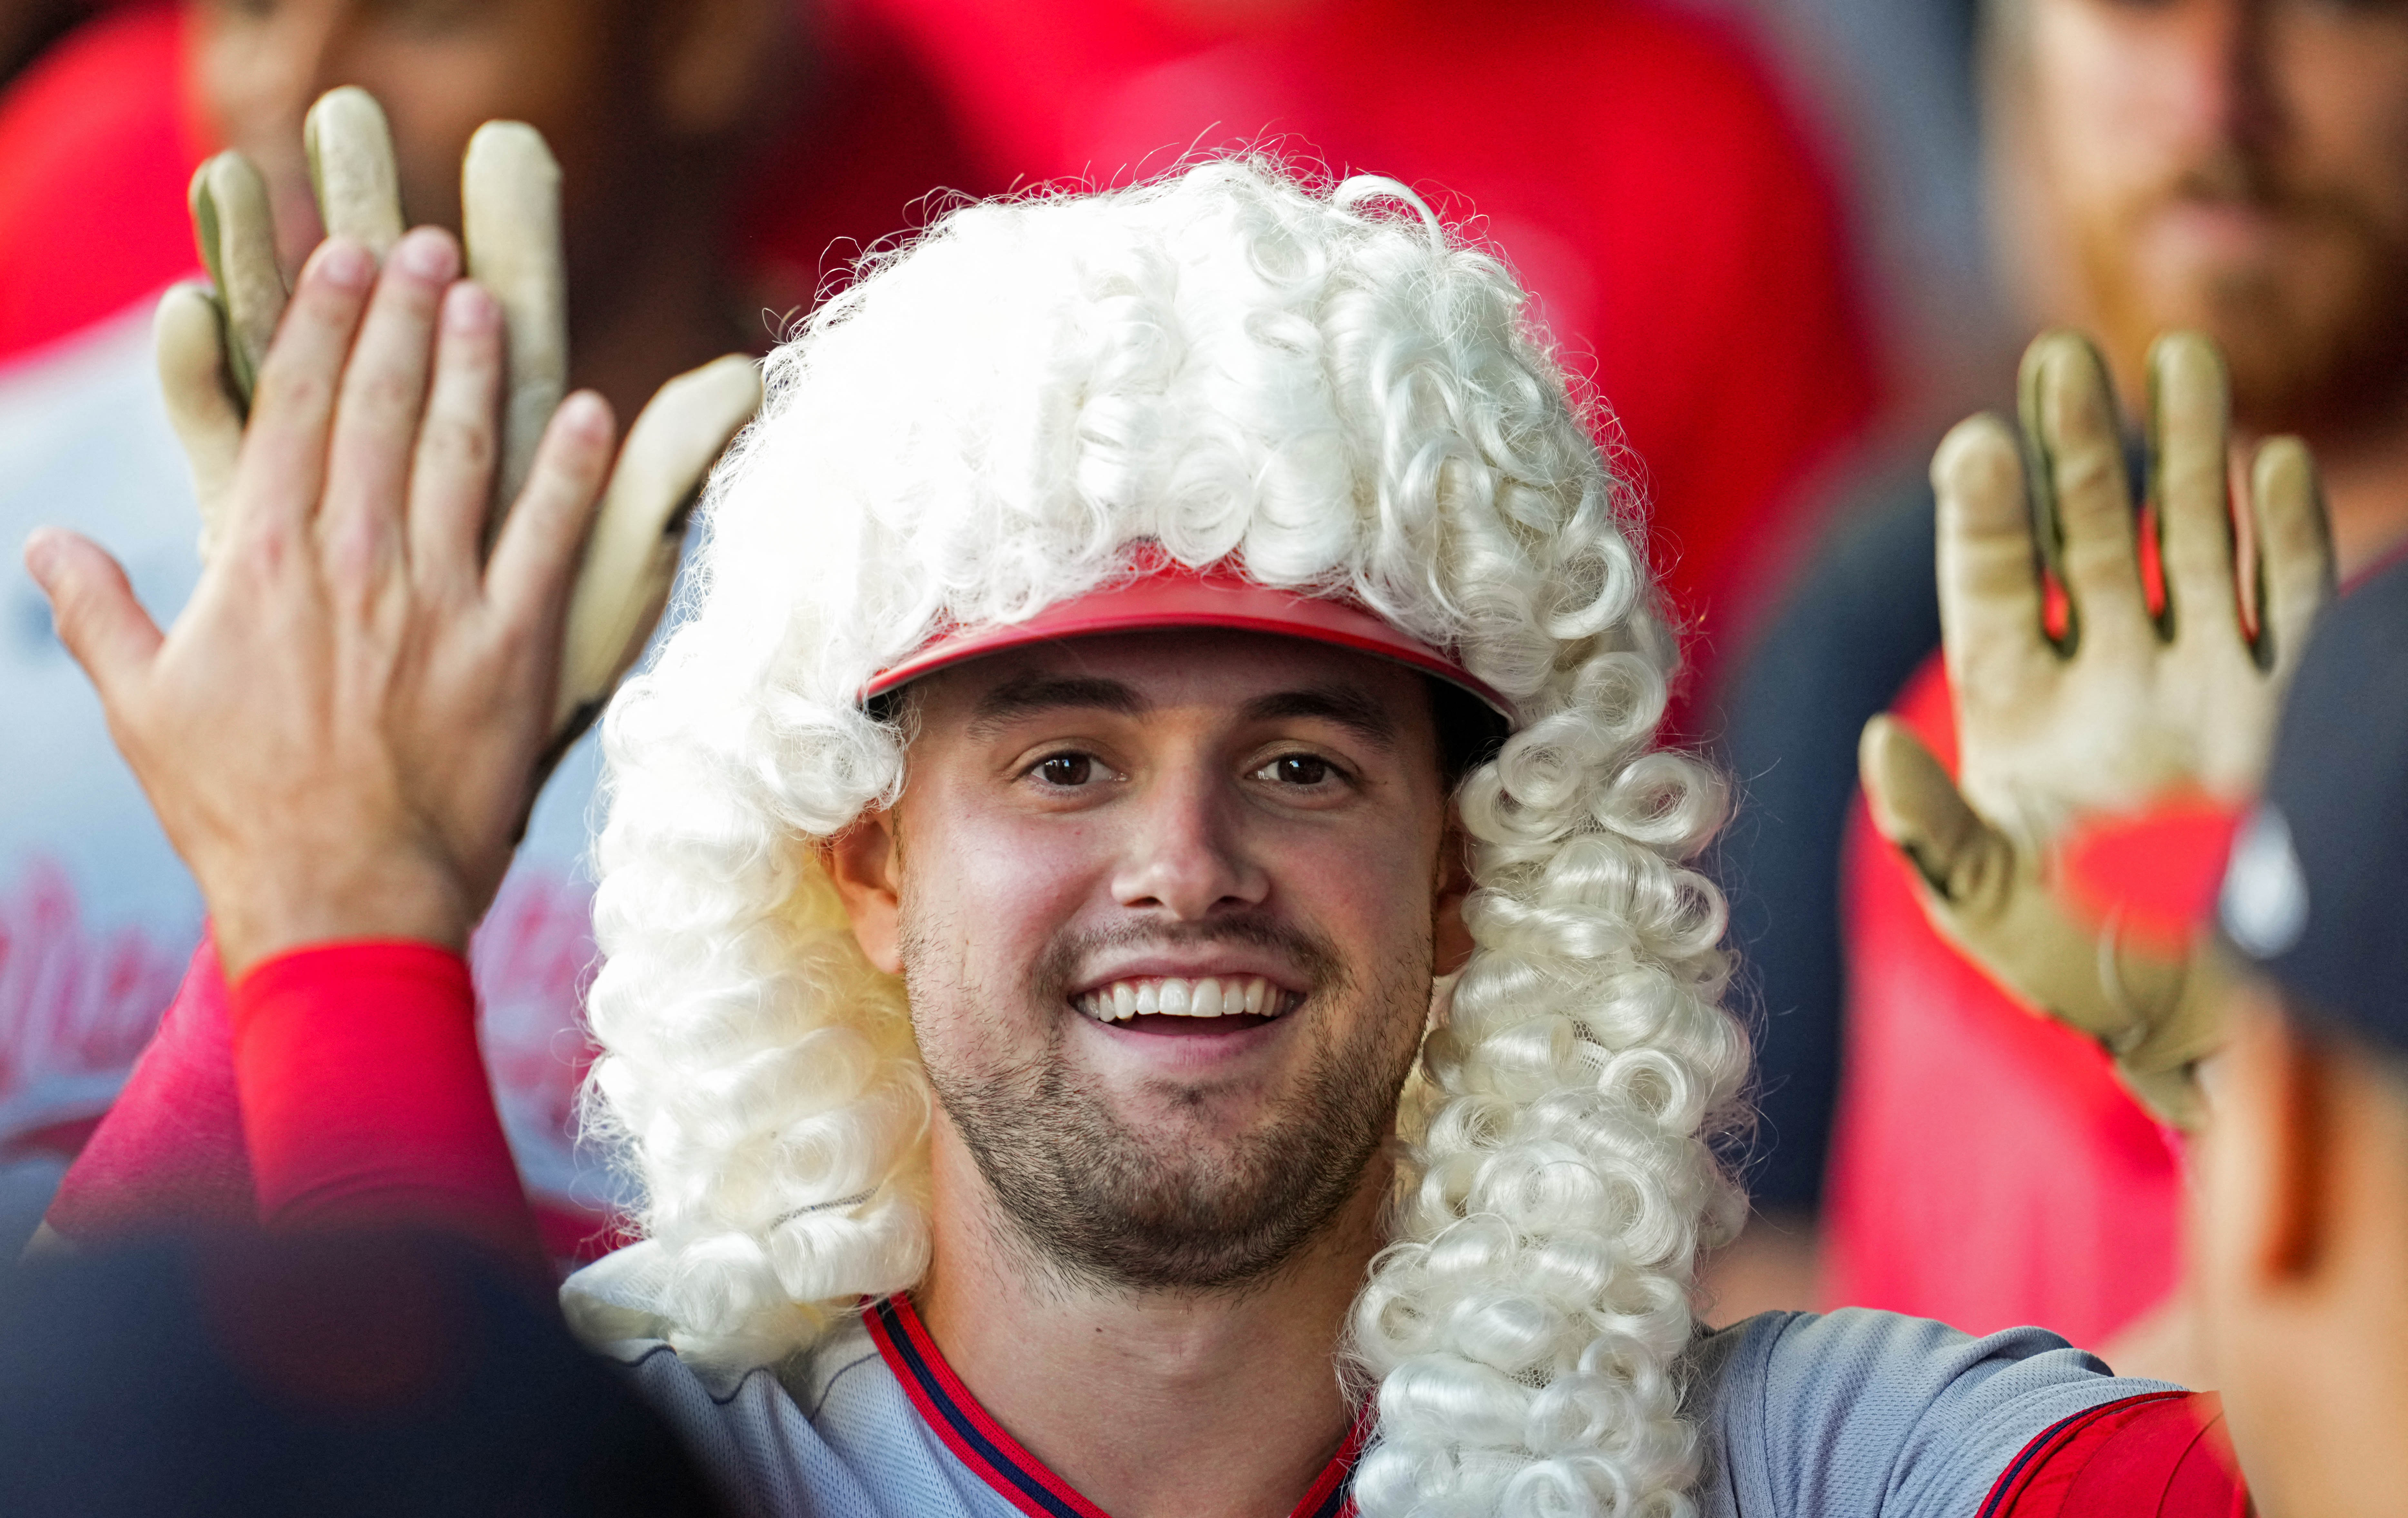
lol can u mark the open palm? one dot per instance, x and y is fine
(2119, 710)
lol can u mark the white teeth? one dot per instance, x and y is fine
(1171, 996)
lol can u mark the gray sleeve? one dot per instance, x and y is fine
(752, 1444)
(1859, 1413)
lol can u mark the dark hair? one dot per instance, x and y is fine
(1470, 731)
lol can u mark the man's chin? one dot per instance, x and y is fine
(1183, 1215)
(2302, 312)
(1204, 1132)
(1156, 1185)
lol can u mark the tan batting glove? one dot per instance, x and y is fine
(210, 338)
(2125, 713)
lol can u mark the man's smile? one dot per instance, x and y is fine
(1217, 989)
(1208, 1004)
(1182, 1026)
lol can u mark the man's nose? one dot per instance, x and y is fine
(1186, 856)
(2227, 95)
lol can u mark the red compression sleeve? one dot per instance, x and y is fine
(364, 1097)
(2159, 1455)
(169, 1154)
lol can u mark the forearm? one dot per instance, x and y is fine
(364, 1097)
(169, 1154)
(358, 1082)
(342, 732)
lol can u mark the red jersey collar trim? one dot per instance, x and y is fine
(980, 1443)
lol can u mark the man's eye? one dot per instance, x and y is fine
(1298, 770)
(1067, 770)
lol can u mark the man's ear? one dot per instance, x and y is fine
(2273, 1147)
(715, 61)
(865, 862)
(1450, 939)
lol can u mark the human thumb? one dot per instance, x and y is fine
(632, 555)
(1993, 905)
(93, 609)
(1919, 810)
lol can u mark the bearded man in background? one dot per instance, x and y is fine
(2237, 167)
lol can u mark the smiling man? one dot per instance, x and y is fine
(1143, 888)
(1080, 802)
(1149, 961)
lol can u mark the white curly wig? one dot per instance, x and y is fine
(1319, 386)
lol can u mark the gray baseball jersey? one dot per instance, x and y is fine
(1850, 1415)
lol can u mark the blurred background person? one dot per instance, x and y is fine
(1892, 84)
(28, 26)
(2298, 1221)
(2276, 1013)
(2236, 167)
(670, 118)
(339, 1374)
(1639, 162)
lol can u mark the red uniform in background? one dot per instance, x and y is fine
(99, 139)
(1635, 163)
(1987, 1169)
(96, 149)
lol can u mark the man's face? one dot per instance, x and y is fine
(2298, 1246)
(442, 68)
(1094, 832)
(2239, 166)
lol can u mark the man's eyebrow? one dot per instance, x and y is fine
(1358, 713)
(1024, 694)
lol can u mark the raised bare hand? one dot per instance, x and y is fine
(2127, 710)
(342, 731)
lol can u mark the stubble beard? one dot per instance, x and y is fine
(2309, 350)
(1105, 1204)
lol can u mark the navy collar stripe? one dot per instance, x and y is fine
(1338, 1502)
(1006, 1467)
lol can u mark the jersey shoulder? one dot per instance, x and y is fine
(1858, 1412)
(828, 1433)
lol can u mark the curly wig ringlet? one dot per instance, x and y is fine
(1321, 386)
